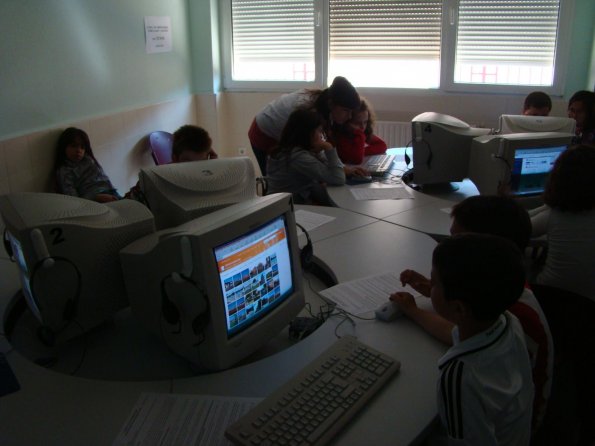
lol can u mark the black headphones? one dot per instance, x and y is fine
(45, 333)
(170, 310)
(307, 252)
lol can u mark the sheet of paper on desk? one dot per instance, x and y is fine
(380, 193)
(162, 418)
(311, 220)
(364, 295)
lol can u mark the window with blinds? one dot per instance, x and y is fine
(506, 42)
(454, 45)
(379, 43)
(273, 40)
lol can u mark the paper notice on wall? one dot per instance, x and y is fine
(157, 34)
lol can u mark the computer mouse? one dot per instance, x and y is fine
(388, 311)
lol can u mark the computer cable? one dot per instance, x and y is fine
(307, 252)
(85, 347)
(7, 246)
(406, 157)
(509, 167)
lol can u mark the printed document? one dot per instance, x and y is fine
(364, 295)
(170, 419)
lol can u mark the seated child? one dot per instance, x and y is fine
(504, 217)
(355, 139)
(192, 143)
(581, 108)
(537, 103)
(77, 171)
(484, 390)
(304, 162)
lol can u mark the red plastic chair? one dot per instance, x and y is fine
(160, 144)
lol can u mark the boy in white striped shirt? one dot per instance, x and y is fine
(485, 390)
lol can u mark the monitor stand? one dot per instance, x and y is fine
(438, 188)
(430, 189)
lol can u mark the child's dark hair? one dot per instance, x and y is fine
(366, 107)
(484, 271)
(496, 215)
(298, 131)
(192, 138)
(588, 100)
(537, 99)
(340, 93)
(69, 136)
(571, 184)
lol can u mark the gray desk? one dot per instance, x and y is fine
(432, 219)
(54, 408)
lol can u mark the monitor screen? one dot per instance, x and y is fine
(531, 169)
(255, 274)
(19, 257)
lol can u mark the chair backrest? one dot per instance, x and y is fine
(160, 144)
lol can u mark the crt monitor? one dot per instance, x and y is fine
(441, 145)
(179, 192)
(518, 162)
(532, 124)
(67, 251)
(219, 287)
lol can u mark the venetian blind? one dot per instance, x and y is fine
(507, 31)
(274, 29)
(385, 29)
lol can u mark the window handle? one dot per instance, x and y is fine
(452, 16)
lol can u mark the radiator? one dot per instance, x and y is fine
(395, 134)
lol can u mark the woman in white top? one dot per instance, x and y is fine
(335, 104)
(565, 288)
(568, 221)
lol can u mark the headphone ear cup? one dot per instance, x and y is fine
(199, 323)
(170, 311)
(201, 319)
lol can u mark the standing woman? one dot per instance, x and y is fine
(335, 104)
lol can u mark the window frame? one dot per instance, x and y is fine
(447, 57)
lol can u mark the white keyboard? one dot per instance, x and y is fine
(320, 400)
(378, 165)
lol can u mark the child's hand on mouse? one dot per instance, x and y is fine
(355, 171)
(405, 301)
(417, 281)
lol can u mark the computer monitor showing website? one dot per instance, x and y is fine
(219, 287)
(517, 163)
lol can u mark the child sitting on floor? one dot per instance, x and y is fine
(77, 171)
